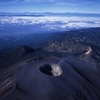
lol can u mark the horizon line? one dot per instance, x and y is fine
(52, 12)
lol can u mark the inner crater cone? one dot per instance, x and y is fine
(51, 69)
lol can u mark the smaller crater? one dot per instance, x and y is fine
(51, 69)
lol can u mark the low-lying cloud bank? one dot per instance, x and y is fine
(53, 23)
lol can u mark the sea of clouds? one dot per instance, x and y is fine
(53, 22)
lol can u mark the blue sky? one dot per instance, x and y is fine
(81, 6)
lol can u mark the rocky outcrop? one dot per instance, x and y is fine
(69, 46)
(85, 52)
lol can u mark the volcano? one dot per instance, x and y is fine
(77, 80)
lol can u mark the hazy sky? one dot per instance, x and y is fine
(81, 6)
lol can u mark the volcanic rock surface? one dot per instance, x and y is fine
(78, 81)
(68, 45)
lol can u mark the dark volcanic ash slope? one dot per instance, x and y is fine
(77, 80)
(18, 52)
(15, 55)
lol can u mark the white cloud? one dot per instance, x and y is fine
(54, 23)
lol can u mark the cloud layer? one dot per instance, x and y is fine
(54, 23)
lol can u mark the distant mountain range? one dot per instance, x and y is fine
(48, 14)
(21, 14)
